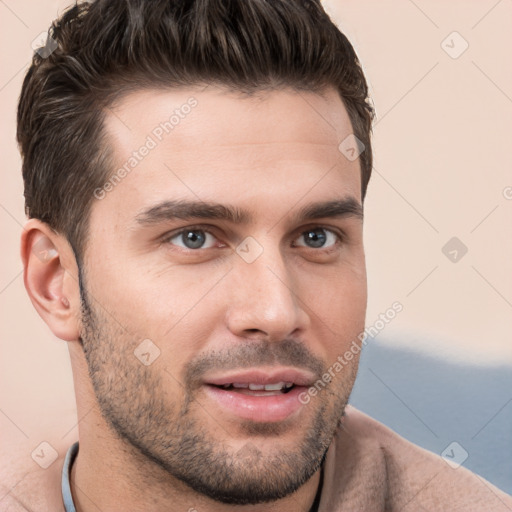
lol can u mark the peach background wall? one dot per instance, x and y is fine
(441, 81)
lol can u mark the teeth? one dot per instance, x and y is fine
(278, 386)
(274, 387)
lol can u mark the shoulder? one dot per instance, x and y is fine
(417, 479)
(26, 486)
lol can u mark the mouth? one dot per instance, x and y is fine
(259, 395)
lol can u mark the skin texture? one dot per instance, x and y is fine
(151, 437)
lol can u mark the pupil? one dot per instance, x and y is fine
(316, 237)
(193, 239)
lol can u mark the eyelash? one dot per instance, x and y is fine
(340, 236)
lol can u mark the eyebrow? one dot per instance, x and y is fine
(187, 210)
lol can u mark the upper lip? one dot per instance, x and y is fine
(260, 376)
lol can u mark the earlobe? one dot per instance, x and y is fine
(50, 277)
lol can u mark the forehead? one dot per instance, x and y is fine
(216, 144)
(210, 114)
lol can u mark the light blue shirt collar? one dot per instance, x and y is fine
(67, 497)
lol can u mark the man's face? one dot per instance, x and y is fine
(178, 306)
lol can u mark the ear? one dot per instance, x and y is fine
(51, 278)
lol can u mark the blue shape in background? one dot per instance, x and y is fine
(432, 402)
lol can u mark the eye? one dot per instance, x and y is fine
(192, 238)
(319, 238)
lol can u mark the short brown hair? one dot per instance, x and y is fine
(97, 51)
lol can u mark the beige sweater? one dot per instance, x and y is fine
(368, 468)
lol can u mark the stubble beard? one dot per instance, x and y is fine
(132, 399)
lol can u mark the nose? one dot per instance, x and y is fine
(265, 301)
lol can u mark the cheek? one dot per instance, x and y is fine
(338, 310)
(150, 297)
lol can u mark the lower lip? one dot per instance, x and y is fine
(257, 408)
